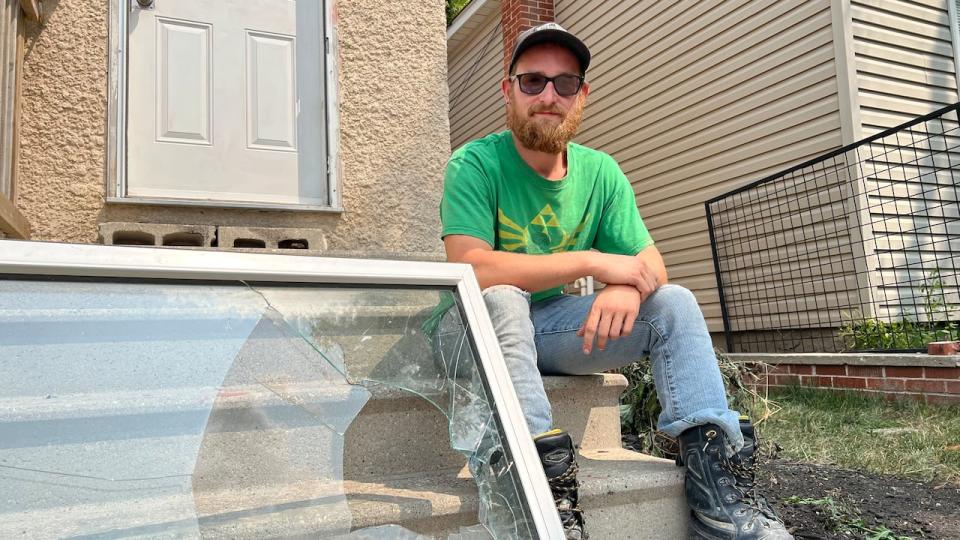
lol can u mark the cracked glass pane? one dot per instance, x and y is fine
(163, 409)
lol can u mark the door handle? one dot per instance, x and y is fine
(145, 4)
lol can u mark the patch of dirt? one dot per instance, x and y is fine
(906, 507)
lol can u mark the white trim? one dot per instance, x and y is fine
(116, 173)
(461, 18)
(52, 259)
(851, 130)
(845, 61)
(955, 39)
(542, 509)
(332, 100)
(161, 201)
(91, 260)
(117, 99)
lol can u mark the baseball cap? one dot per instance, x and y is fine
(551, 33)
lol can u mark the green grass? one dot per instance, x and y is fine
(835, 428)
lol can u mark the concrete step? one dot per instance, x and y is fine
(383, 428)
(624, 495)
(586, 406)
(413, 479)
(398, 468)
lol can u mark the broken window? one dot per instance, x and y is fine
(273, 398)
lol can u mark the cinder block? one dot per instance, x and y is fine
(270, 238)
(156, 234)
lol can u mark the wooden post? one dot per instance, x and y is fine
(33, 9)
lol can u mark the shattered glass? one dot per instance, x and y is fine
(241, 410)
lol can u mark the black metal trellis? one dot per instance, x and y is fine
(853, 250)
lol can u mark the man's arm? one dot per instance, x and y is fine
(616, 307)
(528, 272)
(651, 257)
(645, 271)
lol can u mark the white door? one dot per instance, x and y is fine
(225, 101)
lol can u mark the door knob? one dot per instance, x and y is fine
(146, 4)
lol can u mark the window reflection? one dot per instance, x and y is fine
(246, 410)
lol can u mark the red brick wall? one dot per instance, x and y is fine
(930, 384)
(518, 15)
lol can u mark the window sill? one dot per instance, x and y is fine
(157, 201)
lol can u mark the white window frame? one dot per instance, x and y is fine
(87, 260)
(116, 173)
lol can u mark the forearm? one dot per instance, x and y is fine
(527, 272)
(651, 256)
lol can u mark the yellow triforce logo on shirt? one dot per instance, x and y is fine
(543, 234)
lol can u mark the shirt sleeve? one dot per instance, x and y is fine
(468, 205)
(621, 230)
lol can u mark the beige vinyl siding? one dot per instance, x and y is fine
(475, 70)
(905, 68)
(787, 252)
(904, 60)
(695, 99)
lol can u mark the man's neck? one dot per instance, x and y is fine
(549, 166)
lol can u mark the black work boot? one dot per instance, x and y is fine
(560, 465)
(721, 491)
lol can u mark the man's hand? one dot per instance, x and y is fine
(612, 315)
(626, 270)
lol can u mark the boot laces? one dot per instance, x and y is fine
(562, 487)
(744, 472)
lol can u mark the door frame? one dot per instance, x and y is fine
(116, 163)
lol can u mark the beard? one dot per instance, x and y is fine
(542, 134)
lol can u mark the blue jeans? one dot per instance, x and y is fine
(542, 339)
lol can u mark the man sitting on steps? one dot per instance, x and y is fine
(531, 211)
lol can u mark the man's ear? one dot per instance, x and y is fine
(505, 89)
(585, 89)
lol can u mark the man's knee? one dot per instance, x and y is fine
(675, 296)
(506, 297)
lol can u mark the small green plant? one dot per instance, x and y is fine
(843, 517)
(859, 333)
(453, 8)
(872, 334)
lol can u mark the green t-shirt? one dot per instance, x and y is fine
(490, 193)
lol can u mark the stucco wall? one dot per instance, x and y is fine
(394, 131)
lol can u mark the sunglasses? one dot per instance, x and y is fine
(534, 83)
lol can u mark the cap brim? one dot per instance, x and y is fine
(561, 37)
